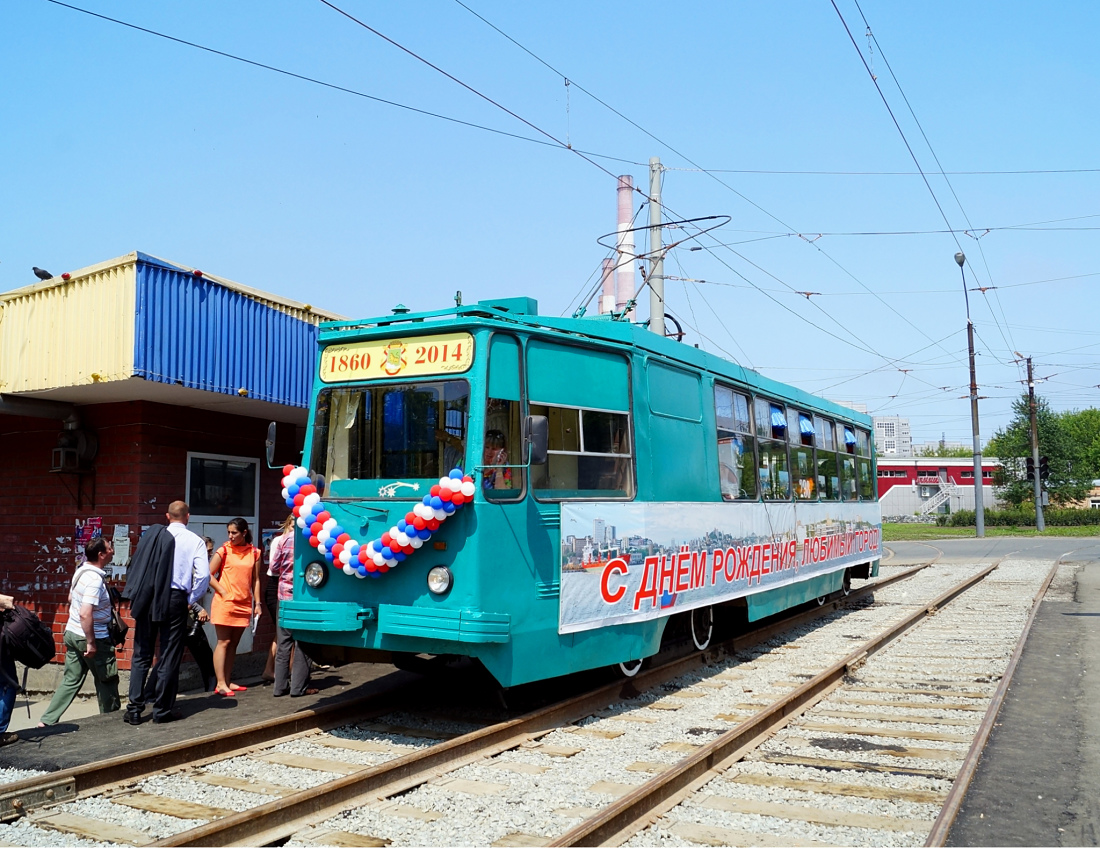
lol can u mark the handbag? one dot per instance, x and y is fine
(116, 627)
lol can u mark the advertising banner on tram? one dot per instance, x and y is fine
(623, 562)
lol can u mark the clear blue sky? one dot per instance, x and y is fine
(115, 140)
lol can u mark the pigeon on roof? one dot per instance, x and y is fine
(41, 274)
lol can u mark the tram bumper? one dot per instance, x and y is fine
(463, 625)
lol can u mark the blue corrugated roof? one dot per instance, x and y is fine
(201, 334)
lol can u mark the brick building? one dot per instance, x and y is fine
(130, 384)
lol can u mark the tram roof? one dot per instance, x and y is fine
(600, 329)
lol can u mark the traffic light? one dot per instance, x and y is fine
(1031, 469)
(1044, 468)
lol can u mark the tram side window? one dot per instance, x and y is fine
(502, 465)
(588, 454)
(773, 474)
(863, 464)
(828, 477)
(736, 457)
(803, 470)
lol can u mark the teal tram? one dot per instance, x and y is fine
(546, 495)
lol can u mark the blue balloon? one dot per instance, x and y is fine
(427, 500)
(448, 507)
(424, 534)
(436, 503)
(292, 489)
(362, 569)
(387, 553)
(402, 526)
(306, 531)
(373, 574)
(336, 532)
(399, 555)
(329, 556)
(301, 481)
(456, 474)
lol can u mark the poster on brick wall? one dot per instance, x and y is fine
(86, 530)
(122, 550)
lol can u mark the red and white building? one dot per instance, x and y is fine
(931, 485)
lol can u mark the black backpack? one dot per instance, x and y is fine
(25, 638)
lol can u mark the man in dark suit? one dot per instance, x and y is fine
(168, 571)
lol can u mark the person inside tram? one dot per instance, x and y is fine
(495, 474)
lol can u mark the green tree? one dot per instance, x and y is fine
(945, 451)
(1063, 440)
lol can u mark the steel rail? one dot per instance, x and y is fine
(941, 828)
(277, 820)
(618, 821)
(20, 797)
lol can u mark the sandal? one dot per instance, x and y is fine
(228, 694)
(306, 692)
(237, 688)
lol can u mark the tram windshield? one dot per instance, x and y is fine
(395, 432)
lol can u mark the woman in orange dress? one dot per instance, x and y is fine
(235, 579)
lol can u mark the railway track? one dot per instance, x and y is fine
(386, 773)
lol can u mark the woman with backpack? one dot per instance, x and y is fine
(235, 579)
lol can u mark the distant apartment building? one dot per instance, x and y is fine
(930, 448)
(892, 436)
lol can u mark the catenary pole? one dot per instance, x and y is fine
(657, 263)
(979, 497)
(1040, 525)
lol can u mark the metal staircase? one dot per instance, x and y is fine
(947, 491)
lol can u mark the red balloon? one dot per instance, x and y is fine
(432, 524)
(434, 491)
(410, 518)
(467, 479)
(315, 528)
(287, 469)
(344, 539)
(363, 555)
(296, 511)
(386, 538)
(395, 546)
(307, 489)
(383, 568)
(323, 516)
(458, 499)
(419, 522)
(408, 549)
(370, 565)
(313, 540)
(445, 495)
(298, 499)
(336, 549)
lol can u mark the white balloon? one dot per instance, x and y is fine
(402, 539)
(468, 489)
(301, 522)
(345, 556)
(379, 559)
(348, 570)
(323, 537)
(416, 541)
(352, 546)
(445, 482)
(285, 492)
(454, 484)
(328, 525)
(440, 514)
(357, 574)
(311, 499)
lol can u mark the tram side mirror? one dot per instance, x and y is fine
(536, 434)
(269, 444)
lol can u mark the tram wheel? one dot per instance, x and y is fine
(702, 627)
(821, 600)
(846, 586)
(630, 668)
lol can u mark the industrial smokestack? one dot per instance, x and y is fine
(607, 287)
(624, 261)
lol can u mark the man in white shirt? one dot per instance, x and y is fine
(166, 619)
(87, 648)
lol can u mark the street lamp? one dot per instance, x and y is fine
(979, 498)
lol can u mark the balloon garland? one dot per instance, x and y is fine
(376, 557)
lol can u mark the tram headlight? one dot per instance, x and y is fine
(440, 580)
(316, 575)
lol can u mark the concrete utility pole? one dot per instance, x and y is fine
(979, 497)
(657, 263)
(1039, 523)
